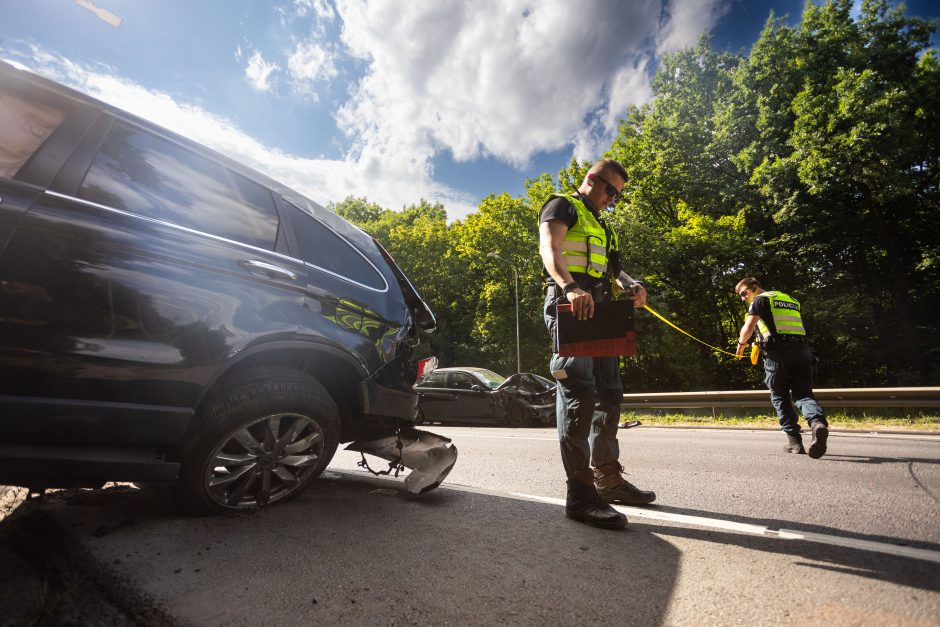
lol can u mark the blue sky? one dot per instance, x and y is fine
(447, 100)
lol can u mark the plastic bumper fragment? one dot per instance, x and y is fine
(429, 456)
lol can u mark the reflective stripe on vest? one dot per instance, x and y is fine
(585, 245)
(786, 314)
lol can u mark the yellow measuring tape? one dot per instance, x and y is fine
(754, 348)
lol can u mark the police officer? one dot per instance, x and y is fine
(788, 362)
(580, 255)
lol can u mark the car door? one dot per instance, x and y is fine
(473, 401)
(146, 264)
(349, 299)
(436, 400)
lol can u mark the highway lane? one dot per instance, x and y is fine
(493, 545)
(867, 484)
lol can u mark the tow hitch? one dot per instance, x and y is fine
(429, 456)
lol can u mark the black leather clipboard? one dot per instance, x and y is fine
(608, 333)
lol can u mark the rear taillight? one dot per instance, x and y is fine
(426, 367)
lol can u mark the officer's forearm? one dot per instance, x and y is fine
(747, 330)
(556, 269)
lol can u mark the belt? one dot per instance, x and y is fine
(789, 339)
(596, 292)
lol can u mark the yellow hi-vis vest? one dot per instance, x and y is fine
(585, 246)
(786, 314)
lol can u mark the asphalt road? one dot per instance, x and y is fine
(741, 533)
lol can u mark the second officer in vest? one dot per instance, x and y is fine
(788, 362)
(580, 254)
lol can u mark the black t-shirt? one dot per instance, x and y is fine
(558, 208)
(760, 306)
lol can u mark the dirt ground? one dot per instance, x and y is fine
(42, 581)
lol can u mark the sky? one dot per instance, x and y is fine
(392, 100)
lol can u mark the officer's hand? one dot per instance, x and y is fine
(582, 303)
(639, 296)
(740, 351)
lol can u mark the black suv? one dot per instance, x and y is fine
(167, 314)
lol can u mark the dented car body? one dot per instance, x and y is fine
(170, 315)
(481, 396)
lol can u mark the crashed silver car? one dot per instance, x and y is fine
(481, 396)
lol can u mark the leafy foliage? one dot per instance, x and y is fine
(811, 163)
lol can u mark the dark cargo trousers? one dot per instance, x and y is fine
(587, 407)
(788, 373)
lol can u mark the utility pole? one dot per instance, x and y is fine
(515, 276)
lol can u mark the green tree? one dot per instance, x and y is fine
(811, 163)
(846, 160)
(420, 241)
(682, 226)
(501, 235)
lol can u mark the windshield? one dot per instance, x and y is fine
(490, 378)
(548, 385)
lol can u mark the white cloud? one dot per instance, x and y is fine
(500, 78)
(506, 79)
(322, 180)
(308, 63)
(320, 8)
(688, 19)
(258, 72)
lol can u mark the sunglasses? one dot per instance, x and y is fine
(743, 293)
(612, 191)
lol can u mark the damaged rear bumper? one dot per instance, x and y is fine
(429, 456)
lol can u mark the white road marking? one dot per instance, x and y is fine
(864, 545)
(886, 548)
(454, 432)
(928, 436)
(760, 530)
(488, 436)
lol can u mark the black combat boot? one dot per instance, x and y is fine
(817, 448)
(795, 444)
(585, 506)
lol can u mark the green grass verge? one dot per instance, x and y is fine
(861, 420)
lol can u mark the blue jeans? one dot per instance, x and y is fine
(788, 373)
(587, 408)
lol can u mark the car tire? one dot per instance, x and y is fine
(263, 438)
(517, 415)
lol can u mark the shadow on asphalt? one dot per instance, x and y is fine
(882, 567)
(867, 459)
(357, 551)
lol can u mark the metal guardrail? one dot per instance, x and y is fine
(835, 397)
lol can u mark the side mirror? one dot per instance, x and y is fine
(477, 388)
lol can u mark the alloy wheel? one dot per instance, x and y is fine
(263, 461)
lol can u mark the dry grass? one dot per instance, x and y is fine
(861, 420)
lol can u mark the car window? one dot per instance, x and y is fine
(25, 123)
(536, 382)
(492, 379)
(150, 176)
(461, 381)
(322, 247)
(434, 380)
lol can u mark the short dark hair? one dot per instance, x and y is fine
(609, 165)
(749, 282)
